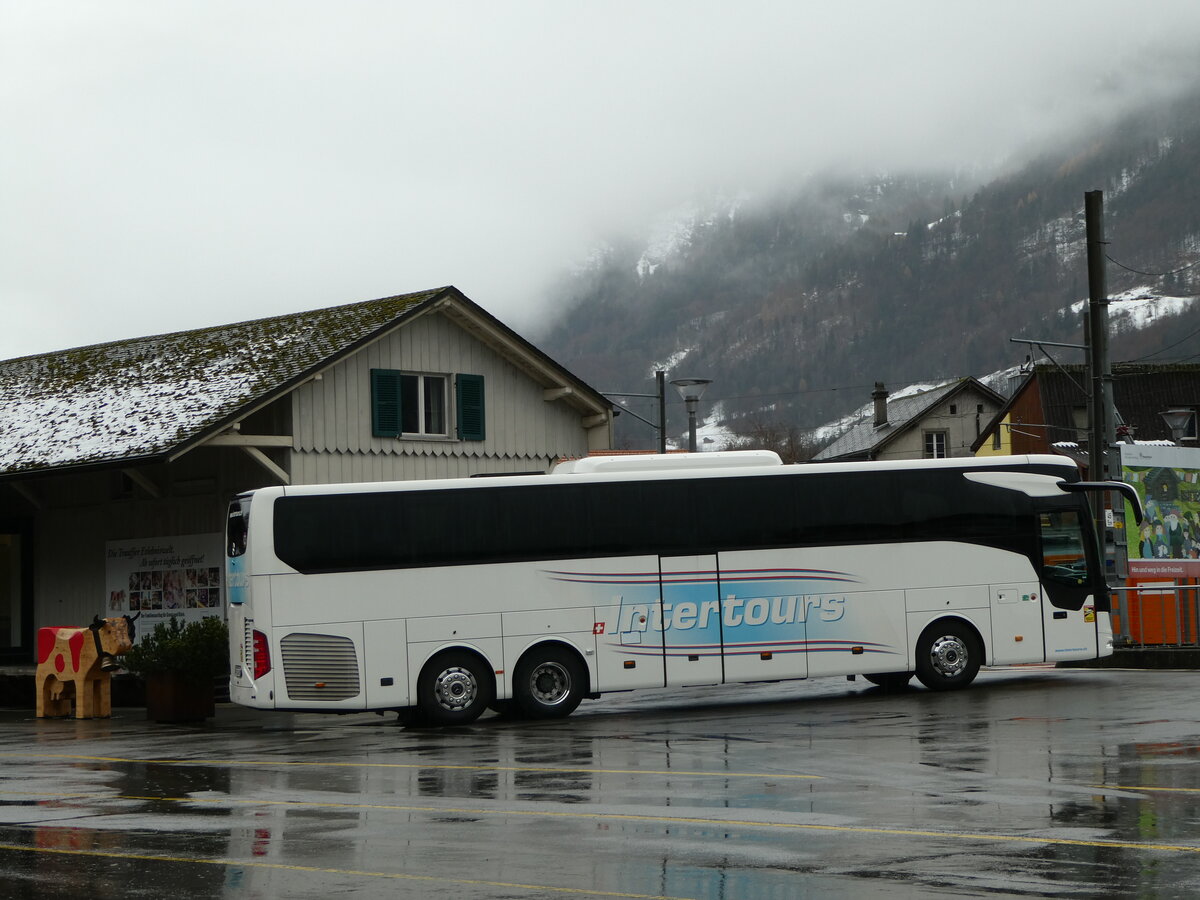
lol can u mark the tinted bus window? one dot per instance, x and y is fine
(236, 527)
(669, 517)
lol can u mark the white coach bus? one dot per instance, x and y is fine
(528, 593)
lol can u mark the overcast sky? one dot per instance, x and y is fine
(171, 165)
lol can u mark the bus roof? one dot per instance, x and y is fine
(741, 465)
(665, 462)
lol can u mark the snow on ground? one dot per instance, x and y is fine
(1139, 308)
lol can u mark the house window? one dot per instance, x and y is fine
(935, 445)
(415, 404)
(423, 404)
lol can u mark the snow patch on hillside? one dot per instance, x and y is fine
(668, 365)
(1139, 308)
(674, 232)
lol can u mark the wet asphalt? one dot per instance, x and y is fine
(1034, 782)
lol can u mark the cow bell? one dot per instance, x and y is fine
(109, 662)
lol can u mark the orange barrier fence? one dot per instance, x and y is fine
(1156, 612)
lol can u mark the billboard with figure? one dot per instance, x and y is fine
(1167, 544)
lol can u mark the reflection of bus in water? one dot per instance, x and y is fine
(529, 593)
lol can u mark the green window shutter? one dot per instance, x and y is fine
(385, 403)
(469, 394)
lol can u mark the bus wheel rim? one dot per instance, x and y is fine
(455, 689)
(550, 683)
(949, 656)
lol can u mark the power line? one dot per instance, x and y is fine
(1186, 337)
(827, 390)
(899, 381)
(1152, 274)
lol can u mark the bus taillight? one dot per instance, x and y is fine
(262, 655)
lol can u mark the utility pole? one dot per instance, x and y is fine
(661, 396)
(660, 378)
(1103, 434)
(1103, 427)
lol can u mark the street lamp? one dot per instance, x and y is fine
(1177, 420)
(691, 389)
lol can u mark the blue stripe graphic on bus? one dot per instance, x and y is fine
(734, 611)
(236, 582)
(708, 576)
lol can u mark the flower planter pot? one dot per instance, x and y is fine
(171, 698)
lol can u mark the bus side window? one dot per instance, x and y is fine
(1064, 558)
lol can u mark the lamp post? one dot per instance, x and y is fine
(691, 389)
(1177, 420)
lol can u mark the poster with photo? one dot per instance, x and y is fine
(180, 576)
(1167, 478)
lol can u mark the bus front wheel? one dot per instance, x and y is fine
(454, 688)
(549, 683)
(948, 656)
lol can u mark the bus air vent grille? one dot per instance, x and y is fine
(319, 667)
(248, 645)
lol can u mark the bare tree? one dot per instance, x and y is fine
(792, 444)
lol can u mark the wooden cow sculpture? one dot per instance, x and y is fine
(75, 662)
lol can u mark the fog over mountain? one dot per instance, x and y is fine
(796, 302)
(169, 166)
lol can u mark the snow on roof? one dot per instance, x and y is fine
(146, 396)
(902, 406)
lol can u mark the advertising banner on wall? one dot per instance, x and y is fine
(179, 576)
(1167, 545)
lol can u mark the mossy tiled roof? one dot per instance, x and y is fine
(904, 408)
(150, 396)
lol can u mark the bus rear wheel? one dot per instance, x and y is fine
(454, 688)
(549, 683)
(948, 656)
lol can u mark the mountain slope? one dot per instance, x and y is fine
(796, 304)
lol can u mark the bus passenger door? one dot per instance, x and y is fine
(764, 610)
(1067, 577)
(691, 620)
(1017, 623)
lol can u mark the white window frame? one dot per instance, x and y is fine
(930, 445)
(422, 380)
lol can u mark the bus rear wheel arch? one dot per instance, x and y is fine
(454, 688)
(549, 682)
(949, 653)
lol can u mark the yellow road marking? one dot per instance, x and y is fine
(670, 820)
(397, 876)
(1154, 790)
(422, 766)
